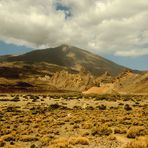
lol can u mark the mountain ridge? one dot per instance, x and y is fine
(71, 57)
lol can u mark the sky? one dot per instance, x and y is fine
(115, 29)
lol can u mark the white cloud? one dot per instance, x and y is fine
(119, 27)
(132, 53)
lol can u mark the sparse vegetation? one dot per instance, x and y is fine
(28, 138)
(120, 131)
(127, 107)
(102, 107)
(138, 143)
(136, 131)
(78, 140)
(54, 106)
(101, 131)
(76, 121)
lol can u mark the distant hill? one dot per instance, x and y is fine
(70, 57)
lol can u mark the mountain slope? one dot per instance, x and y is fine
(130, 82)
(70, 57)
(127, 82)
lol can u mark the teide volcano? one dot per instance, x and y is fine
(53, 69)
(70, 57)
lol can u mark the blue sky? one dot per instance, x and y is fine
(12, 49)
(139, 63)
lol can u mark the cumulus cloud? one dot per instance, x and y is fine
(119, 27)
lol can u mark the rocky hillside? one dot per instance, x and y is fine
(70, 57)
(18, 76)
(80, 81)
(132, 83)
(127, 82)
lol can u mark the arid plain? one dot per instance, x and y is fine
(74, 120)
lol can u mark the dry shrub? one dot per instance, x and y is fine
(102, 131)
(28, 138)
(87, 125)
(67, 143)
(59, 143)
(9, 137)
(141, 142)
(13, 146)
(2, 143)
(112, 138)
(119, 131)
(127, 107)
(79, 140)
(85, 133)
(102, 107)
(60, 146)
(54, 106)
(60, 140)
(136, 131)
(45, 140)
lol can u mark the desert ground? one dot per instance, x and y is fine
(73, 121)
